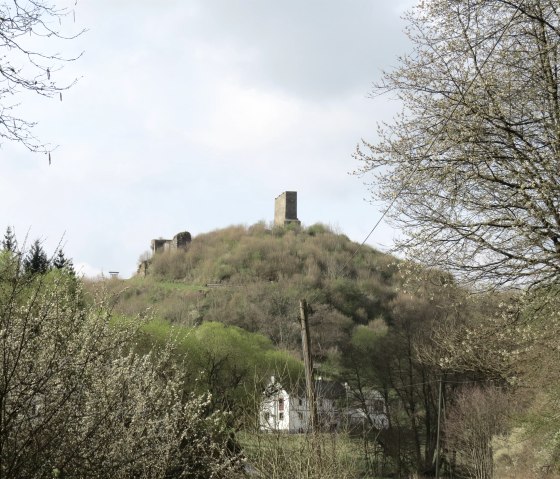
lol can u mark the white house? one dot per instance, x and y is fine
(287, 409)
(367, 408)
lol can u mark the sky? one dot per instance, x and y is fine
(193, 115)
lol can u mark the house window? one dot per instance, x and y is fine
(300, 416)
(300, 402)
(281, 416)
(281, 404)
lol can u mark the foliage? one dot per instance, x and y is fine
(231, 364)
(254, 278)
(400, 356)
(36, 261)
(324, 456)
(540, 315)
(62, 262)
(27, 65)
(471, 167)
(77, 401)
(9, 243)
(475, 418)
(379, 323)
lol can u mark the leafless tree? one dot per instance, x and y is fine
(29, 62)
(471, 167)
(476, 417)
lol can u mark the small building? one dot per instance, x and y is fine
(287, 409)
(367, 409)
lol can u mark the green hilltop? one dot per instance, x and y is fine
(253, 278)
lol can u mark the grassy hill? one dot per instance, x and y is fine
(253, 278)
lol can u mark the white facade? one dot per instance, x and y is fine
(282, 411)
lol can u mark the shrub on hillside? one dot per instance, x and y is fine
(77, 401)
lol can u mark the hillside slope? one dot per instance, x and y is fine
(253, 277)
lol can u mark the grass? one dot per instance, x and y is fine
(295, 456)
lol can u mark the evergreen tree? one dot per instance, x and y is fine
(9, 243)
(36, 261)
(61, 262)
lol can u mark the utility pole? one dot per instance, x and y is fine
(438, 428)
(308, 364)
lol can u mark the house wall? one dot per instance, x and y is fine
(275, 416)
(299, 415)
(374, 409)
(294, 414)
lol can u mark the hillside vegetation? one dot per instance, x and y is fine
(254, 277)
(230, 305)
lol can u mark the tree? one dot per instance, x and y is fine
(36, 261)
(62, 262)
(76, 400)
(26, 65)
(475, 418)
(9, 243)
(471, 168)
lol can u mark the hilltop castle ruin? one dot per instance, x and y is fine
(179, 241)
(285, 213)
(285, 209)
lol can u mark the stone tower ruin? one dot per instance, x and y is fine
(179, 241)
(285, 209)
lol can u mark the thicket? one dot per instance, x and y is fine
(253, 277)
(229, 363)
(77, 399)
(372, 322)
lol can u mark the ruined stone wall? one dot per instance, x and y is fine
(285, 208)
(158, 245)
(179, 241)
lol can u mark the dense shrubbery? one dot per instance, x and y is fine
(76, 399)
(254, 278)
(232, 364)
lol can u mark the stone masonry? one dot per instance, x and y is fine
(179, 241)
(285, 209)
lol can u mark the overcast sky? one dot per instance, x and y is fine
(195, 114)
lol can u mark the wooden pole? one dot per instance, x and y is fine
(438, 428)
(308, 364)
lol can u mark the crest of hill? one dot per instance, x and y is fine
(239, 254)
(253, 278)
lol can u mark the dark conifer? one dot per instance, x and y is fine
(36, 261)
(61, 262)
(9, 243)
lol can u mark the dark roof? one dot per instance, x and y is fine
(329, 389)
(323, 389)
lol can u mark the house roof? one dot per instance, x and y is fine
(323, 389)
(329, 389)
